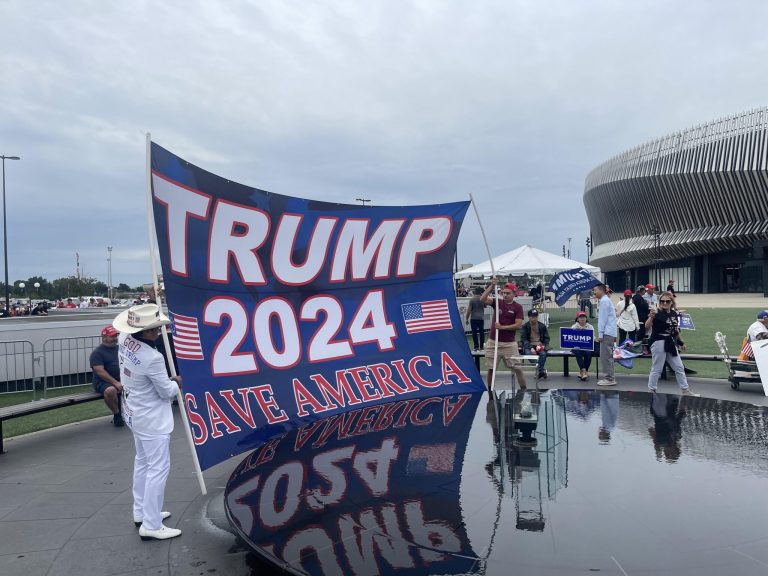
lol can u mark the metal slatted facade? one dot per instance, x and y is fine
(705, 188)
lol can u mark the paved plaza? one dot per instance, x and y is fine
(65, 500)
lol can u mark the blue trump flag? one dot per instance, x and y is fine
(566, 284)
(287, 310)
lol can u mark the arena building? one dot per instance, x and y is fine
(691, 206)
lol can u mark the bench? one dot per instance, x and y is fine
(566, 356)
(36, 406)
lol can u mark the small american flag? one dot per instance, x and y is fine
(746, 350)
(426, 316)
(186, 337)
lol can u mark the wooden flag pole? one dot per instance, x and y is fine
(163, 331)
(495, 294)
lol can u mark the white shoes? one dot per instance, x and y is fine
(164, 514)
(606, 382)
(162, 534)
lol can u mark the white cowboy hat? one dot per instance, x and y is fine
(140, 317)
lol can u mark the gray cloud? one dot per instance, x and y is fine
(400, 102)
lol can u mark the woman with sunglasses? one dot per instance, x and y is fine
(664, 340)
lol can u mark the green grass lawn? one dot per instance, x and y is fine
(732, 322)
(52, 418)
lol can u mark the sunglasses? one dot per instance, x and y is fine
(665, 301)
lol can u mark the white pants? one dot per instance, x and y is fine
(150, 471)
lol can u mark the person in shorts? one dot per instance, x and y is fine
(509, 321)
(105, 365)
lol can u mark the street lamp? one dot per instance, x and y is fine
(363, 200)
(109, 273)
(23, 287)
(589, 248)
(656, 232)
(5, 236)
(37, 291)
(569, 247)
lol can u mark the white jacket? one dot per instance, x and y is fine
(147, 390)
(627, 319)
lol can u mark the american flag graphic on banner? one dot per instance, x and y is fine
(431, 459)
(186, 337)
(426, 316)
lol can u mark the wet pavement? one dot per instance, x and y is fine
(692, 502)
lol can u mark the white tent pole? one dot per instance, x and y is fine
(495, 293)
(163, 331)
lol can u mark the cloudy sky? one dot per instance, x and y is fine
(400, 102)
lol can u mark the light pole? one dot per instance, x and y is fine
(37, 292)
(24, 287)
(5, 236)
(363, 201)
(109, 273)
(656, 232)
(589, 248)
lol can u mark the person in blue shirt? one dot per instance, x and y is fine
(606, 334)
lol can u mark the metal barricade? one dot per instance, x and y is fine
(66, 361)
(17, 366)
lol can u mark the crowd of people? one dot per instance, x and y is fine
(41, 307)
(20, 308)
(645, 320)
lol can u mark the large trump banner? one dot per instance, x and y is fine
(286, 310)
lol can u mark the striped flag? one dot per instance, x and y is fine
(426, 316)
(746, 351)
(186, 337)
(431, 459)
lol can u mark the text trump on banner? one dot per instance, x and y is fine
(289, 309)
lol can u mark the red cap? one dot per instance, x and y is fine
(110, 331)
(627, 292)
(511, 286)
(671, 281)
(649, 286)
(580, 314)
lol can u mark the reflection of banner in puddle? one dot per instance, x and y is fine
(373, 491)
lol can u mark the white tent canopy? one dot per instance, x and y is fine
(525, 260)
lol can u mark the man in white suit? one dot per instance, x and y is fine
(147, 393)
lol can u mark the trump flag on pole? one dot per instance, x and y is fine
(566, 284)
(287, 310)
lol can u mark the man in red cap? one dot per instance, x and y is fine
(650, 297)
(510, 320)
(106, 372)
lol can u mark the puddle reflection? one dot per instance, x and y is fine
(467, 484)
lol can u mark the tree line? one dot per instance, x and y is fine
(69, 286)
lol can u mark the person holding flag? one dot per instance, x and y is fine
(148, 391)
(583, 357)
(510, 319)
(758, 326)
(758, 330)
